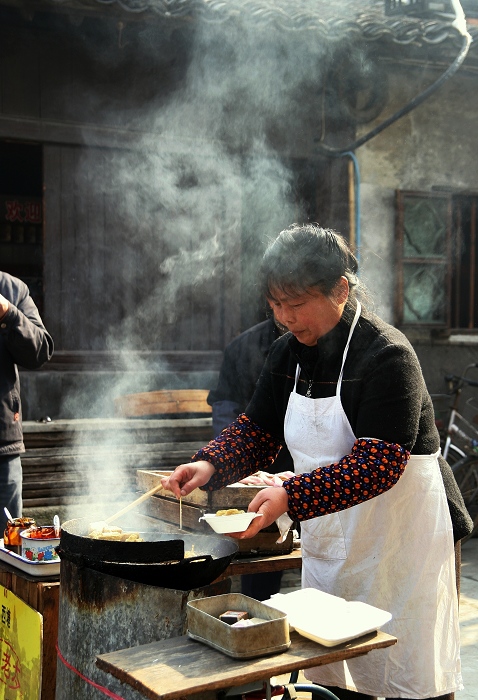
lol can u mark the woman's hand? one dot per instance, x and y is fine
(271, 502)
(188, 477)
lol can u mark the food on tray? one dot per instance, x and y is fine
(103, 531)
(229, 511)
(232, 616)
(41, 532)
(248, 622)
(261, 478)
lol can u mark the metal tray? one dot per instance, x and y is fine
(34, 568)
(262, 639)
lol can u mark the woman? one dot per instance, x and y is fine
(346, 392)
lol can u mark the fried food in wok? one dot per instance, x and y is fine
(103, 531)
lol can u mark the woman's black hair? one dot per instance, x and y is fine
(304, 257)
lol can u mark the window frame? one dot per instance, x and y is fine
(400, 196)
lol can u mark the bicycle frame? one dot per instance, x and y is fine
(458, 427)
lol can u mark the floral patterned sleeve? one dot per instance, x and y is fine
(240, 450)
(372, 467)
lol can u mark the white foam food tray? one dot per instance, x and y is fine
(223, 524)
(34, 568)
(327, 619)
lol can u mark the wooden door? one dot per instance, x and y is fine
(135, 257)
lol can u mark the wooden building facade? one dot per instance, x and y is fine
(147, 157)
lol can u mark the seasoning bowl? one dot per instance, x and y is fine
(222, 524)
(39, 543)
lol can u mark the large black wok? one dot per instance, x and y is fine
(158, 561)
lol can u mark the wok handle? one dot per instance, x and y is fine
(135, 503)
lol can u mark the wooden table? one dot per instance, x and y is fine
(179, 667)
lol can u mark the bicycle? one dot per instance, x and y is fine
(459, 439)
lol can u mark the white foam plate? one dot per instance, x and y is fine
(327, 619)
(223, 524)
(34, 568)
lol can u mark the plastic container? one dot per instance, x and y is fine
(271, 636)
(327, 619)
(223, 524)
(38, 544)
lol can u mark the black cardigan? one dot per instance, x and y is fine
(383, 391)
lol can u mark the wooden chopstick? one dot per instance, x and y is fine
(135, 503)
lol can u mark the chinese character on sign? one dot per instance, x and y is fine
(32, 212)
(14, 210)
(24, 211)
(9, 666)
(6, 616)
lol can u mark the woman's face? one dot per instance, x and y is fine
(310, 315)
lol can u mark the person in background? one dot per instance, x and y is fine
(379, 508)
(24, 342)
(241, 366)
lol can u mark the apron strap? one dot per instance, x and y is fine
(352, 328)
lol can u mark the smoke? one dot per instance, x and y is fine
(197, 194)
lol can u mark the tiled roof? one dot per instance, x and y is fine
(331, 19)
(327, 16)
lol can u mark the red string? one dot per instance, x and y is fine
(99, 687)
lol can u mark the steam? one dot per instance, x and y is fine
(207, 175)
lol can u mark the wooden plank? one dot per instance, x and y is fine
(165, 361)
(71, 311)
(49, 606)
(265, 543)
(165, 429)
(178, 667)
(157, 449)
(163, 402)
(259, 565)
(232, 496)
(52, 241)
(168, 511)
(56, 500)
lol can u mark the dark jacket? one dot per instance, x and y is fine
(383, 391)
(241, 367)
(24, 342)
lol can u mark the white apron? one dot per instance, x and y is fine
(394, 551)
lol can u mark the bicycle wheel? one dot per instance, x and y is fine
(454, 454)
(466, 475)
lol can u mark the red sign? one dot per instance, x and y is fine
(21, 210)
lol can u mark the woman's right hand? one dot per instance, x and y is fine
(188, 477)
